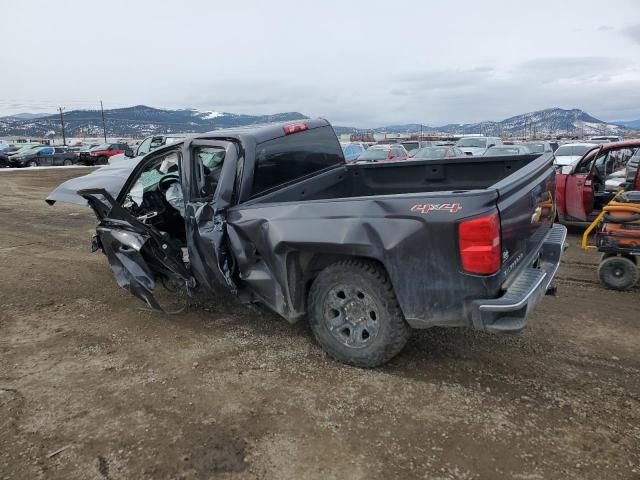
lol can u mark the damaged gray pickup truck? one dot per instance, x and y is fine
(366, 252)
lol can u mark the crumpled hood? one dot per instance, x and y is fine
(110, 177)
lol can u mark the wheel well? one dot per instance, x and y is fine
(304, 267)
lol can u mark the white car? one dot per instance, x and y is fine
(477, 145)
(569, 153)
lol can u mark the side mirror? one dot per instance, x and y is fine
(129, 153)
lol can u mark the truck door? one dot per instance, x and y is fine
(208, 181)
(140, 252)
(579, 188)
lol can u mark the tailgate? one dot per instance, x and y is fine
(527, 210)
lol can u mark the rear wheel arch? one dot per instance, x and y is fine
(304, 267)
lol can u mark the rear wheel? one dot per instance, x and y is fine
(32, 163)
(67, 162)
(355, 315)
(618, 273)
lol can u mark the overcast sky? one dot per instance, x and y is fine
(360, 63)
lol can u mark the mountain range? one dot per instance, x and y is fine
(141, 120)
(137, 121)
(551, 121)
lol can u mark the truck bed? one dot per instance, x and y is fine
(404, 215)
(412, 176)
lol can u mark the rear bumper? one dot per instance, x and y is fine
(508, 313)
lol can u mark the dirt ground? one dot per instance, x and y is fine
(93, 387)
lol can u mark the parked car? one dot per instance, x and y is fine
(476, 146)
(581, 188)
(438, 152)
(412, 146)
(4, 160)
(21, 145)
(352, 150)
(500, 150)
(151, 143)
(606, 138)
(147, 145)
(43, 157)
(569, 153)
(539, 147)
(26, 149)
(353, 248)
(383, 153)
(100, 155)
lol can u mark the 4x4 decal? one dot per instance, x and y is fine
(430, 207)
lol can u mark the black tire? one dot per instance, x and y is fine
(618, 273)
(32, 163)
(367, 303)
(67, 162)
(103, 160)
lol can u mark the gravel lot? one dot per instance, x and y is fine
(91, 386)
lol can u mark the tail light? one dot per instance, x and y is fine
(294, 128)
(479, 241)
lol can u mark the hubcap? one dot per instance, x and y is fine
(352, 316)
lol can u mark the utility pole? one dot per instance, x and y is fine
(104, 126)
(64, 139)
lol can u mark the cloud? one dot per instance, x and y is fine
(600, 85)
(311, 57)
(633, 32)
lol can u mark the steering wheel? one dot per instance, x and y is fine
(166, 182)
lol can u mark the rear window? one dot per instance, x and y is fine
(431, 152)
(410, 145)
(572, 150)
(536, 147)
(374, 154)
(292, 157)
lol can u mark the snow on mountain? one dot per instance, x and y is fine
(137, 121)
(551, 121)
(210, 115)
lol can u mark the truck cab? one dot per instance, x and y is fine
(584, 188)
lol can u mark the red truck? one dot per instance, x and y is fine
(100, 155)
(584, 188)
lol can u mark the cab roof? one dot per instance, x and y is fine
(261, 132)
